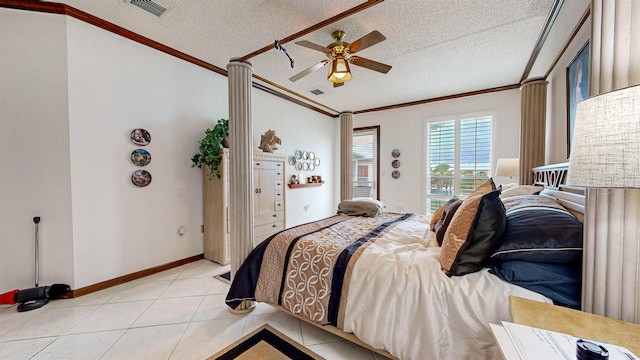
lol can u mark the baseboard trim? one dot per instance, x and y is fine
(130, 277)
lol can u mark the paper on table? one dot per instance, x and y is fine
(535, 344)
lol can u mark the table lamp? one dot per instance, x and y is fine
(605, 154)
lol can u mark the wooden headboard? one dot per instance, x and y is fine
(553, 178)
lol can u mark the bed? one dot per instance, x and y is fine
(381, 279)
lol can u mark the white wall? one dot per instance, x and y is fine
(72, 96)
(34, 150)
(403, 128)
(556, 135)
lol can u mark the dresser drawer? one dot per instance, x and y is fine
(278, 205)
(268, 229)
(259, 164)
(278, 184)
(279, 195)
(268, 218)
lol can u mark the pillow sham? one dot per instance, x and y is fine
(562, 283)
(362, 207)
(445, 220)
(473, 232)
(439, 214)
(521, 190)
(540, 234)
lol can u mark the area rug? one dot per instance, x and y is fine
(225, 277)
(266, 343)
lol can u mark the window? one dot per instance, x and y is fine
(366, 162)
(458, 157)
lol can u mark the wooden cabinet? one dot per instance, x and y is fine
(216, 214)
(269, 202)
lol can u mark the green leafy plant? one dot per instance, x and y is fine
(210, 153)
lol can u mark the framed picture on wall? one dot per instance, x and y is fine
(577, 88)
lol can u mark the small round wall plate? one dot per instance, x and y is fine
(305, 166)
(305, 155)
(299, 154)
(395, 164)
(312, 155)
(395, 174)
(140, 137)
(395, 153)
(299, 165)
(141, 178)
(292, 160)
(312, 166)
(316, 162)
(140, 157)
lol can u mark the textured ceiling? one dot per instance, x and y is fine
(436, 47)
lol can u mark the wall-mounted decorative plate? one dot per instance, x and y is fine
(140, 157)
(305, 155)
(395, 174)
(395, 164)
(305, 166)
(299, 154)
(316, 162)
(292, 160)
(140, 137)
(299, 165)
(141, 178)
(312, 166)
(395, 153)
(312, 155)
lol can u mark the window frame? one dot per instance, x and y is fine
(426, 195)
(376, 129)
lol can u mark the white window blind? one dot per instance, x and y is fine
(458, 154)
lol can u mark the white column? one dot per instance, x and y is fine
(611, 268)
(346, 155)
(241, 167)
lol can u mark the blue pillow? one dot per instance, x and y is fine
(562, 283)
(542, 235)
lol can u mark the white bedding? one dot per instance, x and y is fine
(419, 312)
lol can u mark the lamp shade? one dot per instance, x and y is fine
(339, 70)
(508, 167)
(605, 152)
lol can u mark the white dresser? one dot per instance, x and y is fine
(269, 202)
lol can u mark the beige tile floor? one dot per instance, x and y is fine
(176, 314)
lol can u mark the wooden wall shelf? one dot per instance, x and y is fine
(297, 186)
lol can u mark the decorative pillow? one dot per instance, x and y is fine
(521, 190)
(562, 283)
(439, 214)
(473, 232)
(540, 230)
(362, 207)
(447, 215)
(520, 202)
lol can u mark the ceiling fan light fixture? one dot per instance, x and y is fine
(339, 71)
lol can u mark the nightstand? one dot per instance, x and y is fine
(568, 321)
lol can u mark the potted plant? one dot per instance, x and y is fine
(210, 153)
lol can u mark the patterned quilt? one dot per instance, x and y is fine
(306, 269)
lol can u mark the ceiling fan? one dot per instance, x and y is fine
(339, 54)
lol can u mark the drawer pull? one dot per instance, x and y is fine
(279, 204)
(257, 164)
(274, 226)
(275, 215)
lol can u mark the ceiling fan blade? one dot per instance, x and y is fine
(310, 45)
(335, 85)
(364, 42)
(308, 71)
(370, 64)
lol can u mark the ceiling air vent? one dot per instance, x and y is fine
(149, 6)
(317, 92)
